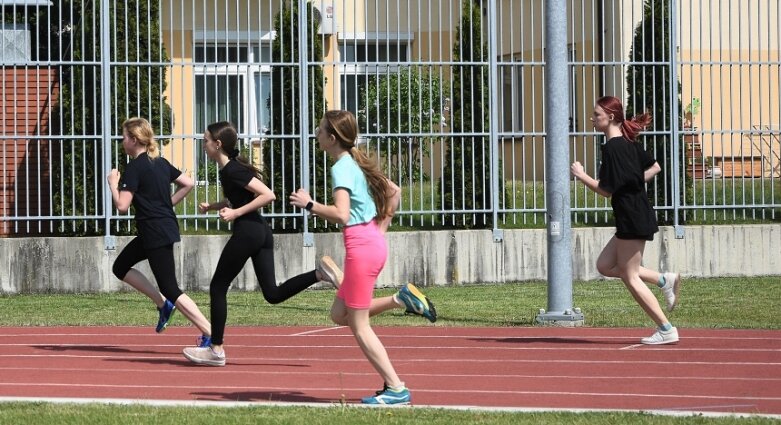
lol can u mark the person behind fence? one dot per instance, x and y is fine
(364, 203)
(624, 170)
(146, 185)
(251, 238)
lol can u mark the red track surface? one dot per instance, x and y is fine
(557, 368)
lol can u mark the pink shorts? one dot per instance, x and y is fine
(365, 254)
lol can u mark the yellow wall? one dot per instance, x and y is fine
(733, 96)
(737, 95)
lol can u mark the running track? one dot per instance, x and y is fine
(731, 371)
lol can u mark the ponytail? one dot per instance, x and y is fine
(152, 149)
(629, 128)
(632, 127)
(378, 183)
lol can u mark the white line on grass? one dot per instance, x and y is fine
(433, 391)
(244, 404)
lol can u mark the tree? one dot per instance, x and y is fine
(138, 89)
(649, 85)
(465, 181)
(408, 101)
(68, 33)
(284, 154)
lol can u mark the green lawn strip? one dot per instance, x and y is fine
(67, 414)
(748, 303)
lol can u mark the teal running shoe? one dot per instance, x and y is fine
(416, 302)
(387, 397)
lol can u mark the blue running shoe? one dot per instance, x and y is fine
(416, 302)
(388, 396)
(203, 341)
(165, 316)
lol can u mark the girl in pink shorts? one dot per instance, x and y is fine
(365, 254)
(364, 203)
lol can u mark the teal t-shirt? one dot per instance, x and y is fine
(348, 175)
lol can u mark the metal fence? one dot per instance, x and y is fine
(438, 87)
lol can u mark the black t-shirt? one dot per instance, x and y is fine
(235, 178)
(621, 174)
(150, 181)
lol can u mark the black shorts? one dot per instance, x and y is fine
(630, 236)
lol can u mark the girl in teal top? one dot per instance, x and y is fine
(364, 203)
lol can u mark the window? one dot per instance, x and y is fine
(365, 57)
(14, 43)
(512, 96)
(232, 83)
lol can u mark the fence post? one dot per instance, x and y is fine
(109, 241)
(493, 120)
(303, 47)
(675, 139)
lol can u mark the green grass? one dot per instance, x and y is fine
(750, 303)
(20, 413)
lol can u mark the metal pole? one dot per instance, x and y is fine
(675, 139)
(493, 120)
(109, 241)
(303, 92)
(557, 193)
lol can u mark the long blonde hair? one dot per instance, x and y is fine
(344, 127)
(142, 131)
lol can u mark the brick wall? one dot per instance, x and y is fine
(27, 97)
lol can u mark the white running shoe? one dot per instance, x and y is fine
(672, 285)
(330, 272)
(204, 356)
(662, 337)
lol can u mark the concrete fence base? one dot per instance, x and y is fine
(35, 265)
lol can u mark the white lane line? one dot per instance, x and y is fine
(189, 371)
(326, 405)
(417, 390)
(315, 331)
(776, 336)
(669, 349)
(437, 360)
(631, 347)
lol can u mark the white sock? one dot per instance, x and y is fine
(399, 388)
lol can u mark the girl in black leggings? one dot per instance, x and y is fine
(146, 185)
(252, 239)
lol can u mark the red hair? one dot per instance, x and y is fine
(630, 128)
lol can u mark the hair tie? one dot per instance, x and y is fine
(233, 154)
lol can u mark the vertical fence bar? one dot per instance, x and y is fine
(493, 120)
(109, 241)
(303, 34)
(676, 159)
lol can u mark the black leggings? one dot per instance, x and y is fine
(161, 261)
(250, 240)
